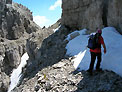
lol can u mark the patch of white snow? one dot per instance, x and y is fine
(17, 73)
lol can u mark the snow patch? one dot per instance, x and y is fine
(17, 73)
(54, 30)
(112, 60)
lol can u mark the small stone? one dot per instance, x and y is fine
(37, 87)
(48, 86)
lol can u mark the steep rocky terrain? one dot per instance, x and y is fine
(48, 68)
(16, 24)
(62, 77)
(92, 14)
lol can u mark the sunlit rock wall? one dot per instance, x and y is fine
(92, 14)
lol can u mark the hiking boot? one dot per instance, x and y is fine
(90, 72)
(99, 70)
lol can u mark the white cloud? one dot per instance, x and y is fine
(56, 4)
(41, 20)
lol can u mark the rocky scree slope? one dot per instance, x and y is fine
(62, 77)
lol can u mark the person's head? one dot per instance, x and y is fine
(99, 31)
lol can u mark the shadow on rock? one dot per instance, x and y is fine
(44, 52)
(105, 81)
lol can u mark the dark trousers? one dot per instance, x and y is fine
(93, 58)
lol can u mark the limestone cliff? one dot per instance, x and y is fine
(16, 24)
(92, 14)
(48, 69)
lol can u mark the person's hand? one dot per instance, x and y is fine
(104, 48)
(104, 51)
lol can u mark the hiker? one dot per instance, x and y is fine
(97, 53)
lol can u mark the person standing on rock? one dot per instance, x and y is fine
(97, 53)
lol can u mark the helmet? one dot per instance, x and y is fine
(99, 31)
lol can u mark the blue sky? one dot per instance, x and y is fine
(45, 12)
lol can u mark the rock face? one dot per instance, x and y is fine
(10, 53)
(16, 24)
(4, 82)
(48, 68)
(13, 32)
(114, 15)
(44, 50)
(15, 21)
(82, 13)
(91, 14)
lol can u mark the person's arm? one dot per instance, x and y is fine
(103, 44)
(104, 47)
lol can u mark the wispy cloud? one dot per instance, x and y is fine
(41, 20)
(56, 4)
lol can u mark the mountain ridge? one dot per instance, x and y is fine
(46, 50)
